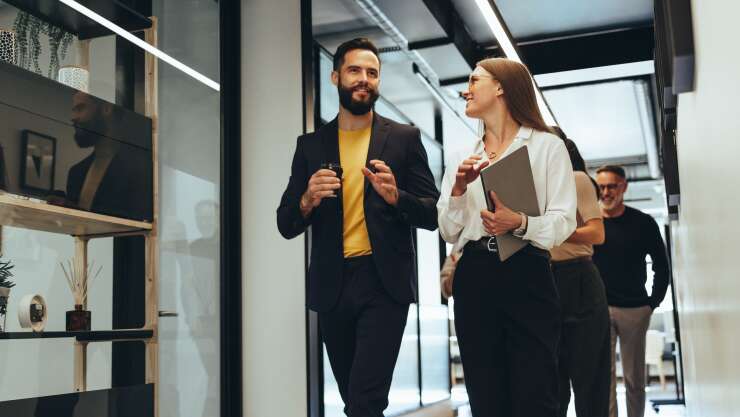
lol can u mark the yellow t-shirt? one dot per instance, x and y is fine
(353, 146)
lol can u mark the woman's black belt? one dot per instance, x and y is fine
(488, 244)
(571, 262)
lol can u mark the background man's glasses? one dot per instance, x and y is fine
(610, 187)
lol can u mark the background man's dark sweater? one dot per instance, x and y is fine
(621, 260)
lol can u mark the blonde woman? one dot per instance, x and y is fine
(507, 314)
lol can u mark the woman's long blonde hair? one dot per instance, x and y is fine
(519, 92)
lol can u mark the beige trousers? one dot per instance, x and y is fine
(630, 325)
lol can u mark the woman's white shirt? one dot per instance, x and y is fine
(459, 217)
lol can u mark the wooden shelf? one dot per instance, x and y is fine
(63, 16)
(92, 336)
(29, 214)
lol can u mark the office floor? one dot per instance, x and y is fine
(459, 400)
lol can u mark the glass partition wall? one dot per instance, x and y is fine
(85, 77)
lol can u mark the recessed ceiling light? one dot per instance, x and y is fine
(142, 44)
(502, 37)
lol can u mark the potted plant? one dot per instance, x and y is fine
(5, 285)
(27, 29)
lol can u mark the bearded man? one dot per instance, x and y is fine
(363, 183)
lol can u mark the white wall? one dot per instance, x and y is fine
(273, 289)
(707, 237)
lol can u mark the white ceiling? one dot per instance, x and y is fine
(606, 120)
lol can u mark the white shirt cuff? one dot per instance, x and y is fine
(456, 209)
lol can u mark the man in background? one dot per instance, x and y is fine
(630, 236)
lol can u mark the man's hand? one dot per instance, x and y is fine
(467, 172)
(502, 221)
(322, 184)
(383, 181)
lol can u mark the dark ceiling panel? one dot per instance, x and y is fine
(455, 28)
(588, 50)
(529, 19)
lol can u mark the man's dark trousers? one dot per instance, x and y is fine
(363, 337)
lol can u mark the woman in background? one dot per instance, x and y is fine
(585, 355)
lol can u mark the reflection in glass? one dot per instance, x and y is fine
(110, 176)
(189, 140)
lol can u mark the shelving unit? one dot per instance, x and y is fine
(28, 214)
(65, 17)
(82, 225)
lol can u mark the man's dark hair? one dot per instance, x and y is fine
(351, 45)
(614, 169)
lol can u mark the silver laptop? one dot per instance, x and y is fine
(511, 179)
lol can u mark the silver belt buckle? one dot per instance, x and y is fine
(491, 245)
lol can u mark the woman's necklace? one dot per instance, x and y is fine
(492, 155)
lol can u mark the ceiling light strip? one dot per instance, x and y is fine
(141, 44)
(504, 40)
(587, 75)
(502, 37)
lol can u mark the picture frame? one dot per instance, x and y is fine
(38, 162)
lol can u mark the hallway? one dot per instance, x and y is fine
(457, 406)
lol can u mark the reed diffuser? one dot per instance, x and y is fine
(80, 280)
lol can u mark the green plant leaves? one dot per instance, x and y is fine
(6, 274)
(28, 28)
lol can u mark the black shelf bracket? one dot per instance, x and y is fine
(92, 336)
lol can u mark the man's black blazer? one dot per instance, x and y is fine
(390, 228)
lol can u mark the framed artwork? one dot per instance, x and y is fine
(38, 160)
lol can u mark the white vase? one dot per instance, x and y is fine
(75, 77)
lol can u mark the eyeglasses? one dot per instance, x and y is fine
(471, 81)
(610, 187)
(474, 78)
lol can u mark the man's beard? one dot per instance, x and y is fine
(613, 203)
(356, 107)
(87, 133)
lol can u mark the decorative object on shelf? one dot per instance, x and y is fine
(32, 312)
(7, 46)
(78, 320)
(27, 29)
(37, 163)
(80, 280)
(5, 285)
(75, 77)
